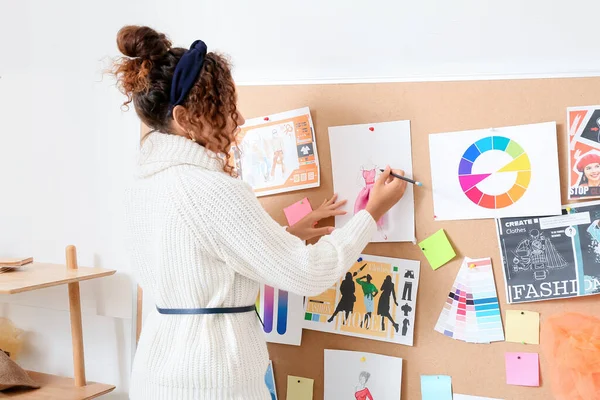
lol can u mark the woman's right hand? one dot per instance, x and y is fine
(385, 193)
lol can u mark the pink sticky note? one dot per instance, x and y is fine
(522, 369)
(297, 211)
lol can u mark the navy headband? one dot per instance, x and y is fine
(186, 72)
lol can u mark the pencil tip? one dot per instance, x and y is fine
(419, 184)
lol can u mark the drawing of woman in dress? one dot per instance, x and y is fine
(363, 196)
(383, 307)
(277, 146)
(370, 291)
(346, 304)
(361, 391)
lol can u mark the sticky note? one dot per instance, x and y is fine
(437, 249)
(522, 369)
(436, 387)
(467, 397)
(297, 211)
(299, 388)
(523, 326)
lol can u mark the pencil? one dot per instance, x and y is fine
(404, 178)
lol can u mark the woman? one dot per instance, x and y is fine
(383, 307)
(589, 167)
(361, 392)
(346, 304)
(200, 241)
(369, 291)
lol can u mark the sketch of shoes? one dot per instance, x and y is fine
(396, 327)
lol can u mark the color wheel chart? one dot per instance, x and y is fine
(472, 312)
(494, 172)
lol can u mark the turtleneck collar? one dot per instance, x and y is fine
(160, 151)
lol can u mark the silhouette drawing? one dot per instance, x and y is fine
(383, 307)
(346, 303)
(405, 325)
(407, 292)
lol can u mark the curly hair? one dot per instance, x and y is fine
(145, 73)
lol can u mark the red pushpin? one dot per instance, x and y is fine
(371, 129)
(266, 118)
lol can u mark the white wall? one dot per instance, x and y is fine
(67, 150)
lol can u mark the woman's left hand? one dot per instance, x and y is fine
(306, 228)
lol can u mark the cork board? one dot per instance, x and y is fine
(431, 107)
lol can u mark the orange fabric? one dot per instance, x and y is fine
(571, 344)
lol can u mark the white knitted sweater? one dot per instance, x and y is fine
(200, 238)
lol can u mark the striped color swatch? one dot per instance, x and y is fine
(471, 312)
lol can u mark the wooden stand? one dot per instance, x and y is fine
(37, 276)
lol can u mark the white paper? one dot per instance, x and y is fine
(349, 372)
(357, 155)
(531, 186)
(467, 397)
(282, 314)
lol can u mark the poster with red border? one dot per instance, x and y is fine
(583, 125)
(278, 153)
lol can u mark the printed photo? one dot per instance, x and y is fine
(583, 124)
(278, 153)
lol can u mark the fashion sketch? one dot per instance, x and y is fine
(369, 174)
(361, 392)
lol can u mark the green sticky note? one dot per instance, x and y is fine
(437, 249)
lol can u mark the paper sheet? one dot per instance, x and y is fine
(522, 369)
(348, 308)
(542, 263)
(282, 315)
(278, 153)
(472, 312)
(467, 397)
(436, 387)
(583, 126)
(297, 211)
(299, 388)
(504, 172)
(358, 152)
(523, 326)
(437, 249)
(356, 375)
(270, 381)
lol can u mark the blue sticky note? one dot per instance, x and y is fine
(436, 387)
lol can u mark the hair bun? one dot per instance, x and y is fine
(143, 42)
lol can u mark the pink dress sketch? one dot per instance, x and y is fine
(363, 196)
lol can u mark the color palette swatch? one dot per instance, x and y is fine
(472, 311)
(469, 181)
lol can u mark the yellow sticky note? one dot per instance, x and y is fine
(523, 326)
(299, 388)
(437, 249)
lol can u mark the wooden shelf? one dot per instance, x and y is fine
(57, 388)
(38, 276)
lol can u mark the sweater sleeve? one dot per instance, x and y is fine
(256, 246)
